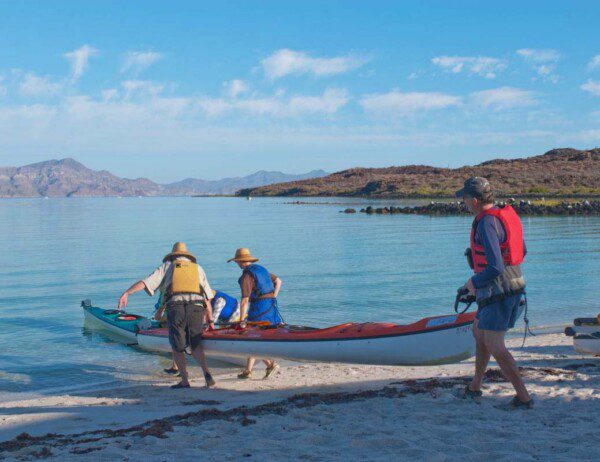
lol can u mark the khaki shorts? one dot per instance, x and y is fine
(184, 320)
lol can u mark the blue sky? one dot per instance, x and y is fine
(169, 90)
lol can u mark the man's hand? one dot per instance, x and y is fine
(123, 301)
(132, 290)
(469, 285)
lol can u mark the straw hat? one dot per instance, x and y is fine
(243, 255)
(179, 250)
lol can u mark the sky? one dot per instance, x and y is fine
(169, 90)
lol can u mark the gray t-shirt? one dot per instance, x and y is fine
(160, 279)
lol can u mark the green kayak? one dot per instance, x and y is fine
(125, 325)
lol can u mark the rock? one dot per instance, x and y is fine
(350, 211)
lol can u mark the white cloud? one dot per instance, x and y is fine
(289, 62)
(137, 61)
(594, 62)
(234, 88)
(591, 86)
(109, 94)
(503, 98)
(32, 86)
(213, 107)
(79, 60)
(3, 89)
(277, 106)
(328, 103)
(483, 66)
(404, 103)
(542, 61)
(141, 88)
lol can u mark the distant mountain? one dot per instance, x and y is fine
(560, 172)
(231, 185)
(67, 177)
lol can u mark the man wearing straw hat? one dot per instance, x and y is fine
(184, 287)
(259, 300)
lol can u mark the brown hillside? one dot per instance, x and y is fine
(560, 172)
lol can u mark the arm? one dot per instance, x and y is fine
(158, 313)
(209, 314)
(247, 286)
(244, 308)
(132, 290)
(491, 243)
(277, 284)
(149, 284)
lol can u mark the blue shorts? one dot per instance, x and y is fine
(500, 316)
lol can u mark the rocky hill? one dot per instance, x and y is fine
(67, 177)
(560, 172)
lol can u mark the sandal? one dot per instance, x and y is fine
(514, 404)
(171, 371)
(180, 385)
(272, 368)
(245, 375)
(467, 393)
(210, 382)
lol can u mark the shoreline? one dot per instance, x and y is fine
(146, 420)
(524, 208)
(358, 197)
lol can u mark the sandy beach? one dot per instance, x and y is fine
(323, 412)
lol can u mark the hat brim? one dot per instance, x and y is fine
(460, 193)
(171, 255)
(251, 260)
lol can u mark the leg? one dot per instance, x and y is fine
(176, 320)
(495, 343)
(250, 364)
(174, 365)
(196, 314)
(482, 357)
(199, 356)
(179, 358)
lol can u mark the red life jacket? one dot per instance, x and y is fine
(512, 249)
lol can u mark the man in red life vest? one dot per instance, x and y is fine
(496, 251)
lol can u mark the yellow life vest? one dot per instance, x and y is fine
(186, 279)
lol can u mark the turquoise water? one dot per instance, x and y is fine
(335, 268)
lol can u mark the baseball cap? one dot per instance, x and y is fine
(475, 186)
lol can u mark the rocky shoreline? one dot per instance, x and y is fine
(522, 207)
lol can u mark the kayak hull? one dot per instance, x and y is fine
(158, 342)
(110, 322)
(588, 344)
(431, 341)
(581, 329)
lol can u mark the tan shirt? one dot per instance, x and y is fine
(160, 279)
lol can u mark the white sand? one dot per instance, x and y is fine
(408, 420)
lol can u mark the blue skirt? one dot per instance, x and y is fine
(265, 309)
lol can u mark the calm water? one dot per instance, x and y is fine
(335, 268)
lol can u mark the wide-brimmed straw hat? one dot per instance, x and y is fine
(243, 255)
(179, 250)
